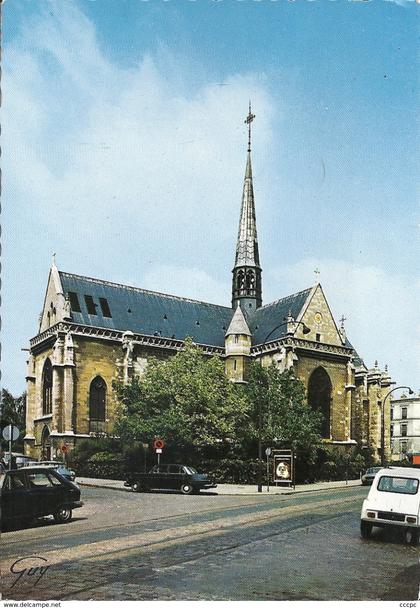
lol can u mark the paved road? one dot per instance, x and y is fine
(124, 546)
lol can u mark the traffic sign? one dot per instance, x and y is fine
(65, 448)
(268, 452)
(159, 450)
(158, 444)
(11, 432)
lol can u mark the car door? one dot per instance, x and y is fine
(175, 474)
(16, 501)
(46, 494)
(164, 477)
(157, 477)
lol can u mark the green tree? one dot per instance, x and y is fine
(186, 400)
(13, 411)
(280, 399)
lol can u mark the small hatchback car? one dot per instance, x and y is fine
(393, 501)
(369, 476)
(32, 492)
(60, 467)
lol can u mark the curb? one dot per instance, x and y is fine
(95, 485)
(289, 493)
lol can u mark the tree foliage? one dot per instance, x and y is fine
(280, 399)
(189, 402)
(186, 400)
(13, 411)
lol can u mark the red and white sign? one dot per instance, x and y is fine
(159, 444)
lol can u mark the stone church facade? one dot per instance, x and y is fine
(93, 332)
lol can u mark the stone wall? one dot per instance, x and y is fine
(95, 358)
(339, 411)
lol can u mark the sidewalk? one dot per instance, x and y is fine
(232, 489)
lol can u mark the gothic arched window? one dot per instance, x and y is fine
(319, 398)
(97, 399)
(250, 280)
(240, 280)
(47, 384)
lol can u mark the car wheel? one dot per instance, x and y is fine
(411, 536)
(365, 529)
(187, 488)
(136, 487)
(63, 515)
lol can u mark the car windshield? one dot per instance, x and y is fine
(190, 470)
(399, 485)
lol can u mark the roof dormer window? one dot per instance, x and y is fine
(106, 312)
(74, 302)
(90, 305)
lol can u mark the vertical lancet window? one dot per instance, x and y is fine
(97, 400)
(47, 385)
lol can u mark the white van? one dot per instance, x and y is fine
(393, 500)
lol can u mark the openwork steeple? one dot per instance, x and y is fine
(246, 281)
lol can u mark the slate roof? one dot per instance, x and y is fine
(155, 314)
(148, 312)
(265, 319)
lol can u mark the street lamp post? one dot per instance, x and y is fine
(305, 330)
(410, 392)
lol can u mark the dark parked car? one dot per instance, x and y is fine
(369, 476)
(33, 492)
(18, 459)
(169, 477)
(60, 467)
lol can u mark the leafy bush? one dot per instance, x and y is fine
(105, 465)
(97, 457)
(231, 471)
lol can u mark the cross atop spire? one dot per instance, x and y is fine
(248, 121)
(246, 282)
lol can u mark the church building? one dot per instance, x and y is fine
(93, 331)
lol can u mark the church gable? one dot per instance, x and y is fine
(316, 314)
(55, 308)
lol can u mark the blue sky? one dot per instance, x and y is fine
(124, 153)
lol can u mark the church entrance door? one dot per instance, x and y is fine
(46, 444)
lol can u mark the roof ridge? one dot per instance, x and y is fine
(292, 295)
(140, 289)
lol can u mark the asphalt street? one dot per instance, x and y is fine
(167, 546)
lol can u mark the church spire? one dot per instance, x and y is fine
(246, 282)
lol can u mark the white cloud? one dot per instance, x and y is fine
(191, 283)
(135, 175)
(123, 172)
(381, 309)
(100, 142)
